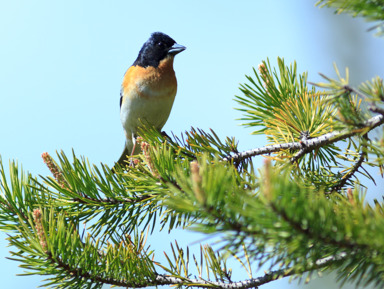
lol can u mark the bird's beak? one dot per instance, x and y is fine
(176, 48)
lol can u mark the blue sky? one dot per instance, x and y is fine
(62, 64)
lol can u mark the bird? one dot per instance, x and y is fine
(148, 89)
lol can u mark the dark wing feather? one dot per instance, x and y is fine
(121, 98)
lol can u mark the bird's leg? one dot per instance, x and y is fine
(134, 144)
(131, 163)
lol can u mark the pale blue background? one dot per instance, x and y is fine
(62, 63)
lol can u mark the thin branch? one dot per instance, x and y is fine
(309, 144)
(84, 200)
(80, 273)
(253, 282)
(314, 235)
(302, 151)
(12, 211)
(351, 89)
(374, 108)
(298, 155)
(353, 170)
(162, 279)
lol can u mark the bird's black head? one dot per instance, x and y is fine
(157, 47)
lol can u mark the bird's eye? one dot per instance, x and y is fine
(160, 43)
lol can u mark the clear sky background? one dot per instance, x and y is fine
(62, 63)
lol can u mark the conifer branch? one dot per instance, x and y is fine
(353, 170)
(311, 234)
(302, 151)
(77, 272)
(310, 144)
(377, 109)
(162, 279)
(253, 282)
(84, 199)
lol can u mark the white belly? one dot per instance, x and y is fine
(153, 110)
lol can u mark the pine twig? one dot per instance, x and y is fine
(162, 279)
(250, 283)
(109, 201)
(307, 145)
(302, 151)
(354, 169)
(374, 108)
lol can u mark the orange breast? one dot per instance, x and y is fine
(159, 82)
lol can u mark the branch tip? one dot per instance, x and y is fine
(37, 218)
(54, 169)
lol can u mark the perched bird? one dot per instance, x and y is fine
(148, 89)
